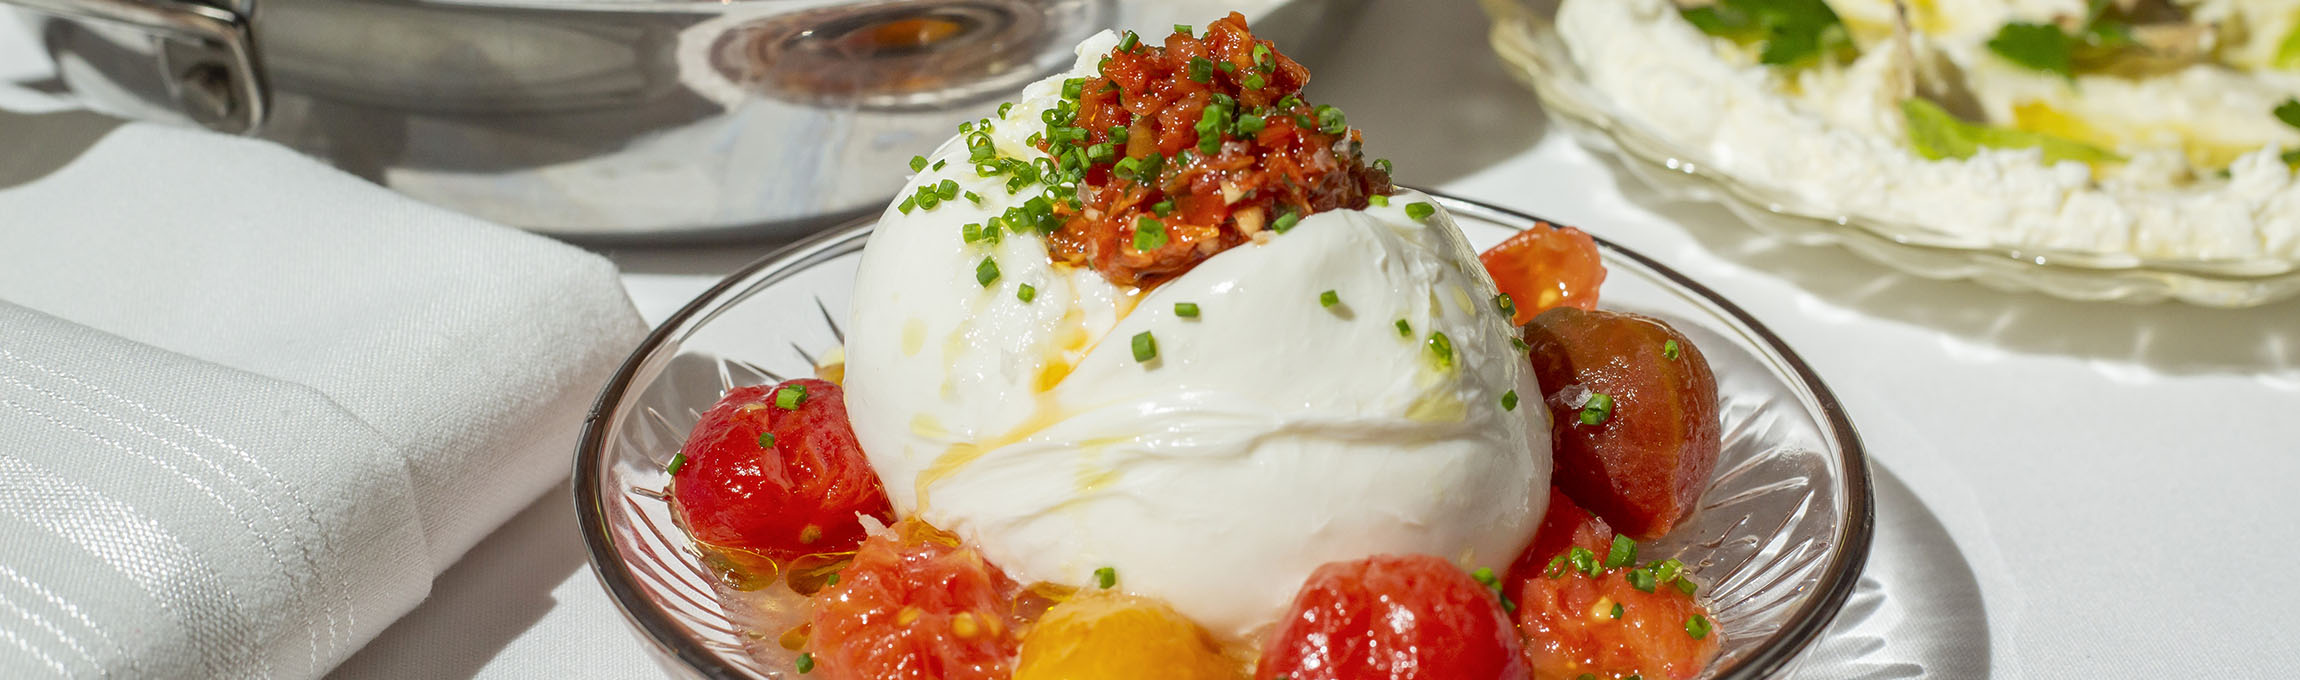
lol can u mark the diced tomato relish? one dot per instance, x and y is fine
(1273, 155)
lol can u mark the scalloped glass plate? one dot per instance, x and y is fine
(1526, 38)
(1782, 532)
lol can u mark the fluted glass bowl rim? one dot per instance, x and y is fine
(1848, 553)
(2063, 272)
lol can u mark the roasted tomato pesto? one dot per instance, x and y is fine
(1185, 149)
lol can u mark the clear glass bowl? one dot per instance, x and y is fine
(1527, 39)
(1781, 534)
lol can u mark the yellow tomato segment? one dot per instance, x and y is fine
(1105, 636)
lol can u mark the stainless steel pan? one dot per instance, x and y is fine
(609, 120)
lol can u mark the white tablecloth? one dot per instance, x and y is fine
(2067, 490)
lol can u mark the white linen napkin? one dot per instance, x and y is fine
(250, 406)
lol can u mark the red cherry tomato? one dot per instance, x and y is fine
(775, 471)
(1606, 626)
(915, 605)
(1544, 267)
(1393, 618)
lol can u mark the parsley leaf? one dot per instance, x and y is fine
(2038, 46)
(2289, 112)
(1788, 32)
(1937, 134)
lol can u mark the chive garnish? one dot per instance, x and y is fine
(1697, 626)
(917, 163)
(1507, 306)
(1329, 299)
(1405, 330)
(1669, 350)
(1599, 408)
(1378, 200)
(789, 397)
(1509, 400)
(1187, 310)
(1285, 222)
(766, 440)
(1418, 210)
(806, 663)
(986, 272)
(1145, 347)
(1106, 577)
(1441, 348)
(677, 461)
(1149, 234)
(1624, 552)
(1025, 293)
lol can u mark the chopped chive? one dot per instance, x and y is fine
(1599, 408)
(970, 233)
(1253, 82)
(1187, 310)
(1484, 575)
(1106, 577)
(1684, 585)
(908, 203)
(1697, 626)
(806, 663)
(974, 198)
(1249, 124)
(947, 190)
(1519, 343)
(1623, 554)
(1201, 70)
(1261, 54)
(1582, 560)
(1509, 400)
(1072, 88)
(1383, 164)
(1183, 29)
(1329, 299)
(1418, 210)
(917, 163)
(1405, 330)
(938, 164)
(832, 580)
(1149, 234)
(986, 272)
(1127, 42)
(1379, 200)
(789, 397)
(1642, 580)
(1145, 347)
(1025, 293)
(1003, 108)
(1441, 349)
(1669, 350)
(1507, 306)
(1330, 119)
(1666, 570)
(1163, 208)
(678, 461)
(1226, 66)
(1285, 222)
(766, 440)
(1617, 611)
(1556, 566)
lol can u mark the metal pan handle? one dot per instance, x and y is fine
(203, 54)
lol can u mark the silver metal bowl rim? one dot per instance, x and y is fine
(1849, 552)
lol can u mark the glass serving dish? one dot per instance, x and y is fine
(1781, 535)
(1526, 38)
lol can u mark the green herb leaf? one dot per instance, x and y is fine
(2289, 112)
(2043, 47)
(1936, 134)
(1787, 32)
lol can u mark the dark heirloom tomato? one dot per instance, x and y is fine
(1544, 267)
(915, 605)
(1393, 618)
(775, 471)
(1628, 620)
(1635, 431)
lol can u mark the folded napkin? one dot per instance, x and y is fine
(250, 406)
